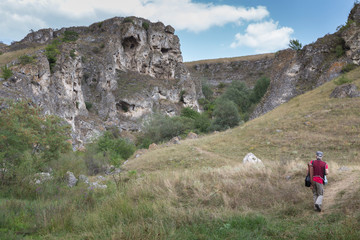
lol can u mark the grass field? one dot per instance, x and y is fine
(200, 189)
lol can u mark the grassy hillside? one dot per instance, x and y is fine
(293, 131)
(201, 190)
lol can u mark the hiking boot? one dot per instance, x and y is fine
(318, 208)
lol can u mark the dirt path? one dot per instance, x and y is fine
(336, 191)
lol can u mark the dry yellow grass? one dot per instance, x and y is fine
(10, 56)
(233, 59)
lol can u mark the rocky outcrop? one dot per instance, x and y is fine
(114, 74)
(224, 71)
(345, 91)
(291, 72)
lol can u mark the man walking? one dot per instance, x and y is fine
(318, 169)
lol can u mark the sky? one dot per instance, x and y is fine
(207, 29)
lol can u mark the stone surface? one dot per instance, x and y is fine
(251, 158)
(71, 179)
(96, 185)
(121, 69)
(175, 140)
(152, 146)
(192, 135)
(345, 91)
(83, 178)
(42, 177)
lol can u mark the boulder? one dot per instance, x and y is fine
(71, 179)
(42, 177)
(192, 135)
(175, 140)
(96, 185)
(83, 178)
(251, 158)
(344, 91)
(152, 146)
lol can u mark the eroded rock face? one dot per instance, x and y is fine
(115, 74)
(345, 91)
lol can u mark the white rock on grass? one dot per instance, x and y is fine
(251, 158)
(71, 179)
(96, 185)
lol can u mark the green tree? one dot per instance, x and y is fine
(29, 137)
(260, 89)
(226, 115)
(238, 93)
(295, 44)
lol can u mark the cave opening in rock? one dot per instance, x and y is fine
(125, 106)
(130, 43)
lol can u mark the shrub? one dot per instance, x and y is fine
(88, 105)
(342, 80)
(118, 149)
(72, 54)
(260, 89)
(128, 19)
(26, 59)
(70, 36)
(339, 51)
(348, 67)
(295, 44)
(51, 52)
(6, 72)
(202, 123)
(145, 25)
(29, 140)
(182, 94)
(161, 128)
(221, 85)
(225, 115)
(207, 91)
(189, 113)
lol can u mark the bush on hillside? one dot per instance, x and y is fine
(162, 128)
(348, 67)
(207, 91)
(117, 148)
(51, 52)
(260, 89)
(70, 36)
(26, 59)
(226, 115)
(189, 113)
(6, 72)
(29, 140)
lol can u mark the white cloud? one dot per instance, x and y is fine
(264, 37)
(181, 14)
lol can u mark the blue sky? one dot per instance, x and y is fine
(207, 28)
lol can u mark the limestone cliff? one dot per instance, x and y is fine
(112, 74)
